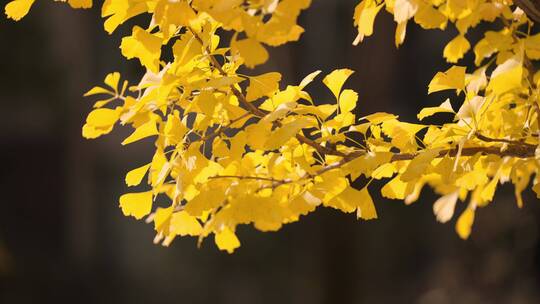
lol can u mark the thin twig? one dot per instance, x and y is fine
(502, 140)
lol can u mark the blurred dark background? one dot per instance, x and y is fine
(63, 238)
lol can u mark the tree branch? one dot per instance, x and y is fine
(517, 151)
(531, 8)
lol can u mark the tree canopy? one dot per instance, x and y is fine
(235, 149)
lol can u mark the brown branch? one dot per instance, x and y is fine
(222, 128)
(531, 8)
(517, 151)
(502, 140)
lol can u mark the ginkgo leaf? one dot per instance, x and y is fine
(488, 192)
(477, 81)
(253, 52)
(401, 31)
(184, 224)
(17, 9)
(346, 201)
(536, 189)
(263, 85)
(146, 130)
(430, 18)
(443, 208)
(464, 223)
(136, 204)
(308, 79)
(445, 107)
(322, 111)
(364, 18)
(135, 176)
(226, 240)
(335, 80)
(283, 134)
(144, 46)
(456, 49)
(162, 218)
(97, 90)
(172, 14)
(174, 130)
(80, 3)
(453, 78)
(404, 10)
(532, 47)
(366, 209)
(112, 80)
(396, 189)
(99, 122)
(102, 117)
(347, 101)
(419, 165)
(507, 76)
(367, 164)
(470, 107)
(379, 117)
(281, 111)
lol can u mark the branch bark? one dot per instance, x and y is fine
(531, 8)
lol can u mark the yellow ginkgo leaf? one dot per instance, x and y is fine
(99, 122)
(419, 165)
(396, 189)
(404, 10)
(227, 240)
(112, 80)
(445, 107)
(253, 52)
(532, 46)
(161, 218)
(97, 90)
(308, 79)
(464, 223)
(335, 80)
(443, 208)
(144, 46)
(118, 11)
(347, 101)
(80, 3)
(183, 224)
(456, 48)
(488, 192)
(263, 85)
(453, 78)
(146, 130)
(366, 209)
(346, 201)
(102, 117)
(135, 176)
(507, 76)
(283, 134)
(364, 18)
(401, 31)
(171, 14)
(430, 18)
(136, 204)
(174, 130)
(17, 9)
(536, 189)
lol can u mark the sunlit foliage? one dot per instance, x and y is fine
(233, 149)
